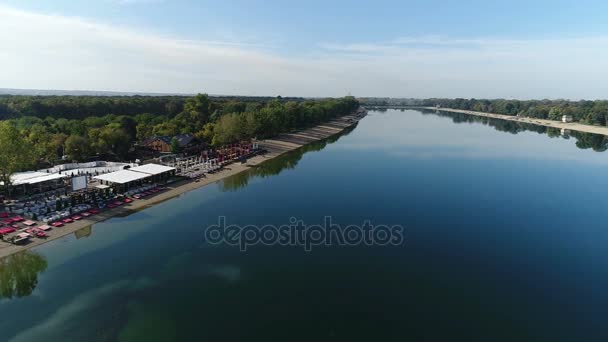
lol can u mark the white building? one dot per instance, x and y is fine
(567, 118)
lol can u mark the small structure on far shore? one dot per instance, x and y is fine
(567, 118)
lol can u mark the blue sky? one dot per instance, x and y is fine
(524, 49)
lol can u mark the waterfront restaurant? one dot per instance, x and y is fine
(158, 173)
(122, 180)
(35, 182)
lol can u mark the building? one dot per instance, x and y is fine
(122, 180)
(567, 118)
(35, 182)
(136, 176)
(163, 143)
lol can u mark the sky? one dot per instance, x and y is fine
(384, 48)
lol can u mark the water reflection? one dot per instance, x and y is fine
(596, 142)
(84, 232)
(275, 166)
(19, 274)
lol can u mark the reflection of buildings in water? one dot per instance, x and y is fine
(84, 232)
(565, 133)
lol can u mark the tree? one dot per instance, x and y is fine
(206, 134)
(228, 129)
(15, 152)
(113, 138)
(166, 128)
(42, 141)
(129, 125)
(77, 147)
(175, 146)
(198, 108)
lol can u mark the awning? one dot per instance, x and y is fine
(152, 169)
(33, 177)
(102, 186)
(122, 177)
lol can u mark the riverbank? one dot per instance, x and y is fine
(573, 126)
(275, 147)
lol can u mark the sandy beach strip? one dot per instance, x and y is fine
(275, 147)
(573, 126)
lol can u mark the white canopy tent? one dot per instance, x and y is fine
(47, 177)
(152, 169)
(33, 177)
(122, 177)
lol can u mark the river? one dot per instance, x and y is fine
(504, 239)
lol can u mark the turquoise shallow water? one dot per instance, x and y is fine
(505, 239)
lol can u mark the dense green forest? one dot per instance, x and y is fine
(42, 129)
(588, 112)
(81, 107)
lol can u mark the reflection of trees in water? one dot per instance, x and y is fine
(19, 273)
(274, 166)
(597, 142)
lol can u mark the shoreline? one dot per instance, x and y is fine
(573, 126)
(276, 146)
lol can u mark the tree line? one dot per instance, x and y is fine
(81, 107)
(587, 112)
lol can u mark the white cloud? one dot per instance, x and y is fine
(56, 52)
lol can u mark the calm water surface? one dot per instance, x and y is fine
(506, 240)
